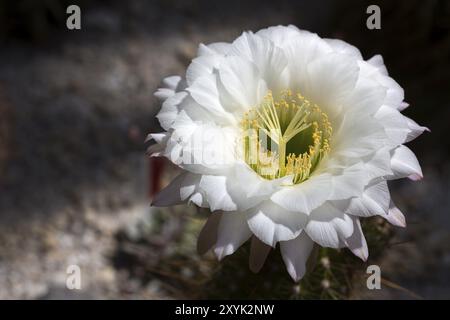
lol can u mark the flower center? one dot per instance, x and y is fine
(285, 136)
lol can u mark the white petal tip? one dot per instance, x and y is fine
(161, 95)
(154, 155)
(361, 251)
(296, 277)
(220, 253)
(396, 217)
(403, 106)
(363, 255)
(415, 177)
(148, 138)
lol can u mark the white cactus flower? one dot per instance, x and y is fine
(287, 138)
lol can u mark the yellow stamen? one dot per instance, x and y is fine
(269, 128)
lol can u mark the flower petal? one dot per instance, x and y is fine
(201, 147)
(305, 196)
(395, 216)
(337, 76)
(281, 35)
(202, 66)
(243, 86)
(327, 226)
(340, 46)
(349, 183)
(295, 254)
(232, 233)
(177, 191)
(415, 129)
(221, 48)
(377, 62)
(374, 201)
(271, 223)
(205, 92)
(358, 135)
(170, 86)
(269, 59)
(301, 51)
(378, 165)
(169, 109)
(367, 97)
(258, 254)
(394, 124)
(405, 164)
(374, 69)
(357, 242)
(216, 192)
(208, 235)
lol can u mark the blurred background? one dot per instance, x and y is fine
(75, 183)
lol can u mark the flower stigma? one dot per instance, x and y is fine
(287, 135)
